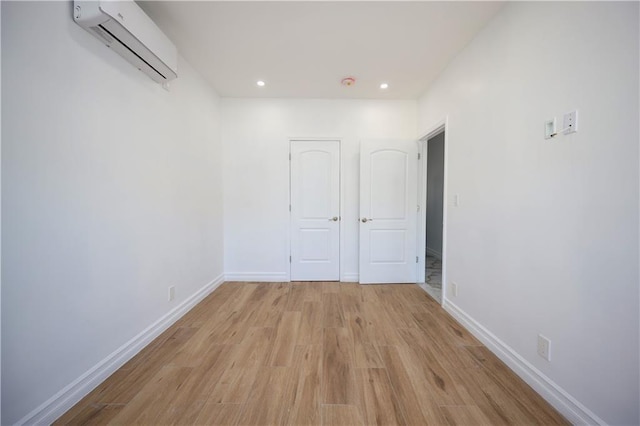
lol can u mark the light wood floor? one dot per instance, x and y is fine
(314, 353)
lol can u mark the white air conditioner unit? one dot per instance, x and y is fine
(125, 28)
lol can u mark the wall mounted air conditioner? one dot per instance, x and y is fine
(125, 28)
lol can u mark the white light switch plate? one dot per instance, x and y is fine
(549, 128)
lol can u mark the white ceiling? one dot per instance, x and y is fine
(304, 49)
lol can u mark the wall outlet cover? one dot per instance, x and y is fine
(454, 289)
(544, 347)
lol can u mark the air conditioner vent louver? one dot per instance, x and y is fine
(127, 30)
(117, 40)
(102, 34)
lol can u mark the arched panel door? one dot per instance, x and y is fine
(315, 210)
(388, 211)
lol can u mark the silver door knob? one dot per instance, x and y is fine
(334, 219)
(365, 220)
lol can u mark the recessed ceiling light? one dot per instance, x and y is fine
(260, 83)
(384, 86)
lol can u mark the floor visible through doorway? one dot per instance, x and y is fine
(433, 277)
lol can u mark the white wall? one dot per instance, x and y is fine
(255, 136)
(111, 192)
(545, 239)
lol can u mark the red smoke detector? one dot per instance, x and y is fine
(348, 81)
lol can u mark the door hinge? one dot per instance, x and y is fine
(289, 207)
(416, 259)
(418, 207)
(289, 156)
(419, 156)
(289, 259)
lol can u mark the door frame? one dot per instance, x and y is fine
(437, 128)
(292, 139)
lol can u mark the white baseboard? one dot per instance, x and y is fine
(276, 277)
(434, 253)
(66, 398)
(567, 405)
(350, 278)
(270, 277)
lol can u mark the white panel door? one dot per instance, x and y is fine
(315, 210)
(388, 211)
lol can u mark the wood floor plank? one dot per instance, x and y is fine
(351, 298)
(416, 411)
(177, 338)
(124, 384)
(359, 328)
(427, 372)
(212, 303)
(269, 399)
(378, 401)
(267, 304)
(366, 355)
(210, 372)
(394, 306)
(477, 389)
(333, 316)
(450, 351)
(296, 297)
(240, 372)
(463, 415)
(331, 287)
(310, 331)
(341, 415)
(417, 300)
(306, 404)
(91, 414)
(338, 380)
(369, 294)
(215, 414)
(310, 354)
(176, 395)
(520, 394)
(148, 405)
(457, 333)
(195, 351)
(184, 407)
(300, 293)
(177, 334)
(380, 329)
(236, 301)
(229, 324)
(229, 330)
(285, 339)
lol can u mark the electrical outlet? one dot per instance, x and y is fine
(570, 122)
(172, 293)
(454, 289)
(544, 347)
